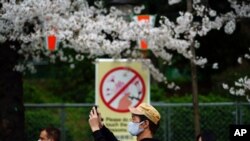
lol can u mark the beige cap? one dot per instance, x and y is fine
(147, 110)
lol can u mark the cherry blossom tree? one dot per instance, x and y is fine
(241, 86)
(95, 31)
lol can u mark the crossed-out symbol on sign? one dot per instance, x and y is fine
(122, 87)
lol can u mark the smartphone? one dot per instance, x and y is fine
(97, 112)
(95, 107)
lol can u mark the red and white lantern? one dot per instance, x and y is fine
(51, 42)
(150, 19)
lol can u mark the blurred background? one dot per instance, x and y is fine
(60, 95)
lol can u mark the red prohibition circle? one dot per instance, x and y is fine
(137, 75)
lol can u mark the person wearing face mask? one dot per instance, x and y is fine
(49, 134)
(144, 123)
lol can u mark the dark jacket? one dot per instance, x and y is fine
(104, 134)
(149, 139)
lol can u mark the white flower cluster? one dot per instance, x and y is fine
(241, 9)
(172, 2)
(154, 71)
(246, 56)
(200, 61)
(158, 75)
(95, 31)
(215, 66)
(138, 9)
(241, 87)
(230, 27)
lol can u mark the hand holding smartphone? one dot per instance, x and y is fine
(96, 109)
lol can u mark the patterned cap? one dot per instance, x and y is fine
(147, 110)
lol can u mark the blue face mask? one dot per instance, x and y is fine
(134, 128)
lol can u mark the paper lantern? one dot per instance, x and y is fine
(51, 42)
(150, 19)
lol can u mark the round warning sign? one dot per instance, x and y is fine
(121, 88)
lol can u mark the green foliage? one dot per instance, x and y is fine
(59, 80)
(73, 122)
(36, 120)
(58, 83)
(176, 75)
(156, 93)
(34, 92)
(77, 123)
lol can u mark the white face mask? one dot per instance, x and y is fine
(134, 128)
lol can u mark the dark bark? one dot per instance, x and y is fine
(194, 82)
(195, 95)
(11, 96)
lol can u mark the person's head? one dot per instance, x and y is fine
(206, 136)
(144, 118)
(49, 134)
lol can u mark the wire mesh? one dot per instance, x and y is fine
(177, 120)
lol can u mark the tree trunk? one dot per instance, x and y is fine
(195, 95)
(11, 96)
(194, 82)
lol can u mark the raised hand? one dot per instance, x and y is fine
(94, 120)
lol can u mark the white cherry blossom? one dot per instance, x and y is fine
(92, 32)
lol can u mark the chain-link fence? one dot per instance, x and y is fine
(176, 125)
